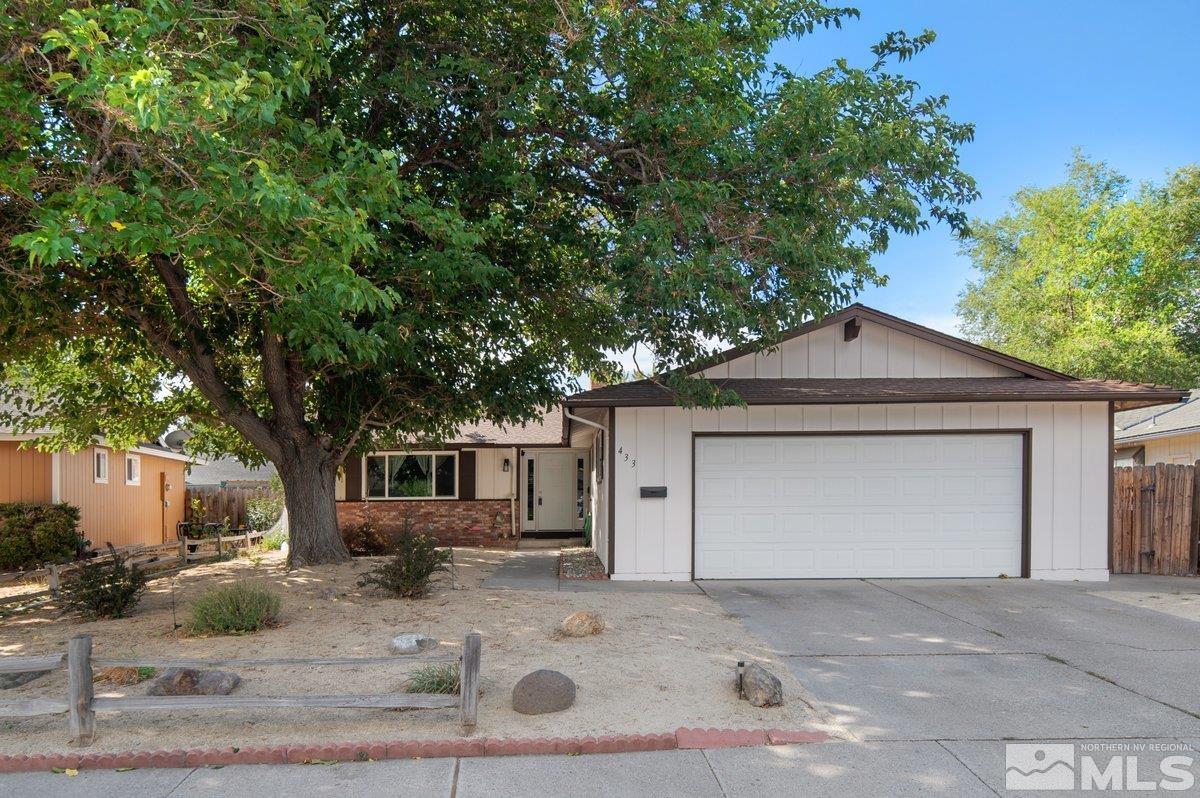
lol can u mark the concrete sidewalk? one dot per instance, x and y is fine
(538, 570)
(841, 768)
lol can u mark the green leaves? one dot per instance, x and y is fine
(1093, 279)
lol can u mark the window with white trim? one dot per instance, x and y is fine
(133, 469)
(100, 466)
(412, 475)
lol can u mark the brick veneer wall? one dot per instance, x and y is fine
(463, 522)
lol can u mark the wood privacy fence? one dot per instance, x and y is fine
(1156, 519)
(222, 503)
(81, 705)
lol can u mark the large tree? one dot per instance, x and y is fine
(1093, 277)
(314, 229)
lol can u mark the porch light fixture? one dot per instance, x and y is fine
(507, 465)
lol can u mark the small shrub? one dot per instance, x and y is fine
(407, 573)
(34, 534)
(263, 511)
(273, 541)
(365, 539)
(104, 589)
(234, 609)
(441, 678)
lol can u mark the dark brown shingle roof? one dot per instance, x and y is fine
(887, 390)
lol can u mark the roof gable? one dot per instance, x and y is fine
(876, 345)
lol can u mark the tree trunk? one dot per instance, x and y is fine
(308, 493)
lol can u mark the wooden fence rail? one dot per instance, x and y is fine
(81, 705)
(1156, 519)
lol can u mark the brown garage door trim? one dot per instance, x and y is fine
(1026, 434)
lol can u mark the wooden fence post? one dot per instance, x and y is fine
(247, 541)
(183, 551)
(468, 682)
(52, 579)
(79, 690)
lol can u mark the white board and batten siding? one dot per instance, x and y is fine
(1068, 480)
(878, 351)
(491, 480)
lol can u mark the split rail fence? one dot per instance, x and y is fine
(81, 704)
(1156, 519)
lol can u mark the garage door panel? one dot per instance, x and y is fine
(858, 506)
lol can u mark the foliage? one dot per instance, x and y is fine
(1093, 278)
(439, 678)
(32, 535)
(263, 511)
(317, 229)
(273, 541)
(104, 588)
(365, 539)
(408, 571)
(237, 608)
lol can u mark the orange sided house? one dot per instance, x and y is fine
(124, 497)
(865, 446)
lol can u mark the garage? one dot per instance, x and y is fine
(859, 505)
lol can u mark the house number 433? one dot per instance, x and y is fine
(625, 454)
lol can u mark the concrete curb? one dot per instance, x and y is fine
(681, 738)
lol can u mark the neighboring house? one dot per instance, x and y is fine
(228, 472)
(1163, 434)
(124, 497)
(868, 446)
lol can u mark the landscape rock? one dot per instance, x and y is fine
(10, 680)
(761, 687)
(543, 691)
(194, 681)
(582, 624)
(412, 643)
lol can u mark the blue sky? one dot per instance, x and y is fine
(1119, 80)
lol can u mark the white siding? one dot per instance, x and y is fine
(1178, 449)
(491, 481)
(1068, 481)
(878, 351)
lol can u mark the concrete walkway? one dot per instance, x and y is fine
(538, 570)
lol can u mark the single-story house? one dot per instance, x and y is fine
(124, 497)
(867, 446)
(1161, 434)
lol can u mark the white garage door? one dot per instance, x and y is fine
(854, 506)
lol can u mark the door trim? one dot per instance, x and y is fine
(525, 454)
(1026, 434)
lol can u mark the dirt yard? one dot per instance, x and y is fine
(666, 660)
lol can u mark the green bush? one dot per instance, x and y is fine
(365, 539)
(408, 571)
(234, 609)
(34, 534)
(104, 589)
(263, 511)
(441, 678)
(273, 541)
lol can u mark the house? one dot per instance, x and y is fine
(228, 472)
(124, 497)
(1161, 434)
(867, 446)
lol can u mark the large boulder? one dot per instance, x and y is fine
(194, 681)
(582, 624)
(411, 643)
(10, 680)
(543, 691)
(761, 687)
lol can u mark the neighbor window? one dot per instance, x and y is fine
(412, 476)
(133, 469)
(100, 465)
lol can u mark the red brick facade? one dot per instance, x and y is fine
(454, 522)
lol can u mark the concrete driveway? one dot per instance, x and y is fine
(980, 660)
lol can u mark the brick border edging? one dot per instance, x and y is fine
(299, 753)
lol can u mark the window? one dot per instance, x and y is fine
(580, 489)
(133, 469)
(412, 476)
(529, 489)
(100, 466)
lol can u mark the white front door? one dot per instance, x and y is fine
(555, 474)
(858, 506)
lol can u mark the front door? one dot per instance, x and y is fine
(556, 490)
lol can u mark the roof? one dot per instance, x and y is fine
(1158, 422)
(838, 390)
(227, 469)
(546, 431)
(860, 311)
